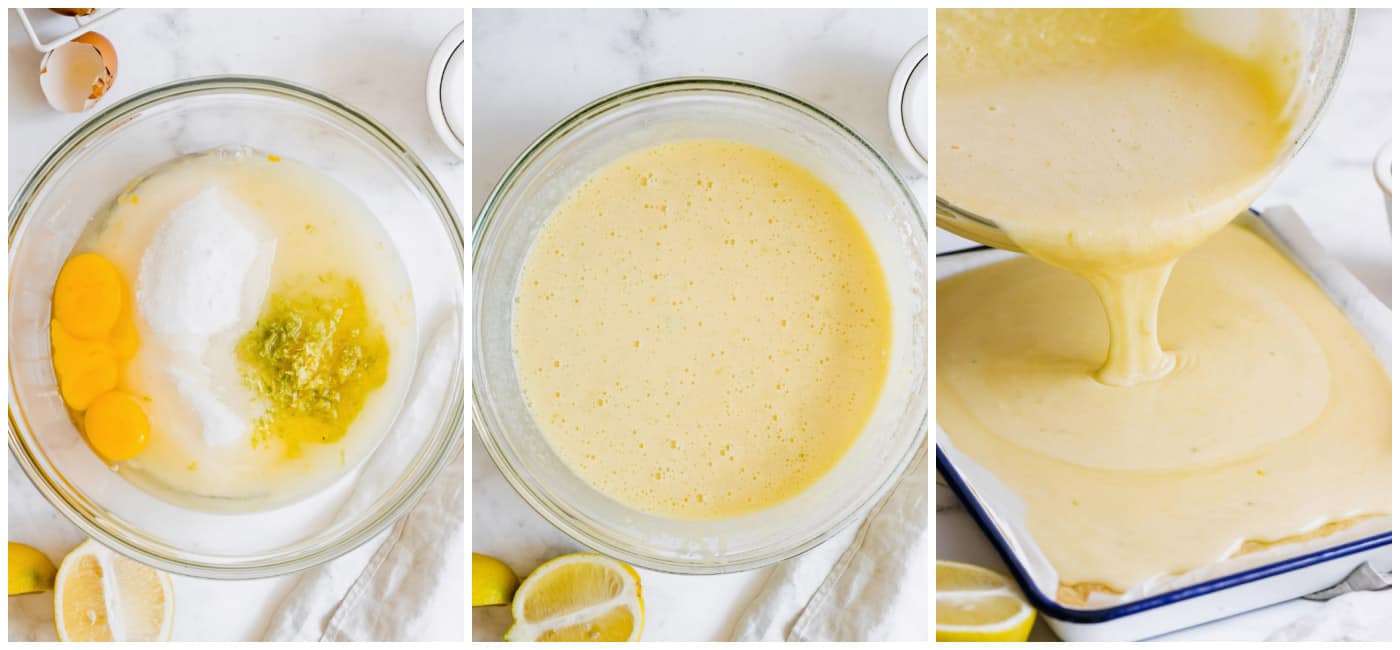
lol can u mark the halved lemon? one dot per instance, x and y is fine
(102, 596)
(579, 597)
(977, 604)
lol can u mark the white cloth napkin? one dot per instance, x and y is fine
(867, 584)
(405, 584)
(409, 589)
(1357, 616)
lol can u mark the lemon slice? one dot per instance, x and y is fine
(102, 596)
(493, 583)
(30, 570)
(578, 597)
(977, 604)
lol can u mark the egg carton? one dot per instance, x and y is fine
(84, 24)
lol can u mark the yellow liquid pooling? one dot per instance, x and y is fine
(314, 356)
(702, 329)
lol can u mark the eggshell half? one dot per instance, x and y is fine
(75, 75)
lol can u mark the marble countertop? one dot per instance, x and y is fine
(531, 68)
(1331, 185)
(376, 60)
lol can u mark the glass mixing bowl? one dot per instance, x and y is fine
(573, 150)
(85, 172)
(1325, 35)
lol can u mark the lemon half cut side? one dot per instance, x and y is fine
(100, 595)
(977, 604)
(579, 597)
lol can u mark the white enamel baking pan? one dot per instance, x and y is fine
(1250, 582)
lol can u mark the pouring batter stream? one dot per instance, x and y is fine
(1197, 398)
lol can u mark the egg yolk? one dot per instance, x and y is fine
(87, 297)
(116, 426)
(124, 338)
(92, 334)
(85, 369)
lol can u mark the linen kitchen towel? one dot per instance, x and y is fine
(405, 584)
(869, 584)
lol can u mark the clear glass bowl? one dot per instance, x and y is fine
(85, 172)
(548, 171)
(1325, 37)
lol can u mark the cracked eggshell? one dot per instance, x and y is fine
(75, 75)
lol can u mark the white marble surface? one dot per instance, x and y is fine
(531, 68)
(375, 60)
(1330, 184)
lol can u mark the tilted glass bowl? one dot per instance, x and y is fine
(1325, 36)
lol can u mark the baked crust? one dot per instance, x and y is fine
(1078, 594)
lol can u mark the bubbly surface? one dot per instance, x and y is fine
(702, 329)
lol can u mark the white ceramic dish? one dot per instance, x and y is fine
(445, 78)
(909, 106)
(1239, 585)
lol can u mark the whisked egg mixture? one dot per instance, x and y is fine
(234, 332)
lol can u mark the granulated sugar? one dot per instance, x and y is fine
(206, 270)
(205, 274)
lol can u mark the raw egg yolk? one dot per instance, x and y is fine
(87, 298)
(116, 426)
(85, 369)
(124, 338)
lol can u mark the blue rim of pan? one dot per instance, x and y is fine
(1047, 605)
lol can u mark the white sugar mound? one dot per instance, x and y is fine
(222, 423)
(202, 282)
(206, 270)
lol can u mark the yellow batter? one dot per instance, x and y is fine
(1151, 441)
(1276, 420)
(702, 329)
(1107, 142)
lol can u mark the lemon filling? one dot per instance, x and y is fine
(702, 329)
